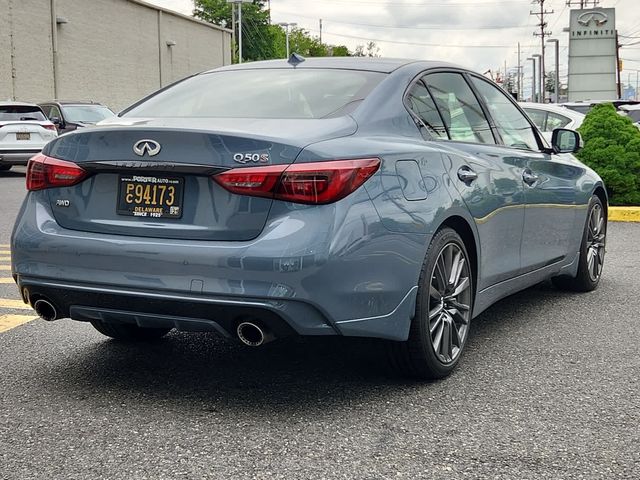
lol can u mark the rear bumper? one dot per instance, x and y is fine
(328, 270)
(14, 157)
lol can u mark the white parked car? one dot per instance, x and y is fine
(548, 117)
(631, 111)
(24, 131)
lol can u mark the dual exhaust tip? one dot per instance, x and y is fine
(253, 335)
(249, 333)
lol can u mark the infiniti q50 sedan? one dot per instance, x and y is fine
(392, 199)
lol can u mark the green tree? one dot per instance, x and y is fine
(371, 50)
(258, 39)
(612, 148)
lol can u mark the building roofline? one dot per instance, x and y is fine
(180, 15)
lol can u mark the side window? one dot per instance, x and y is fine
(46, 109)
(421, 104)
(459, 107)
(55, 112)
(555, 120)
(513, 127)
(538, 117)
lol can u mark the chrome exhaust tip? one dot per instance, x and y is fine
(253, 335)
(45, 310)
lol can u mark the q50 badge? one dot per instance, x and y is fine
(251, 158)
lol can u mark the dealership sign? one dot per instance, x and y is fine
(592, 55)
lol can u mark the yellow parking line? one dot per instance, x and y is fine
(7, 322)
(5, 258)
(7, 280)
(5, 245)
(5, 267)
(15, 304)
(5, 252)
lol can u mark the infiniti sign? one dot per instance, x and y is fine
(598, 18)
(150, 147)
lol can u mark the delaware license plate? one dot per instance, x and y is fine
(150, 196)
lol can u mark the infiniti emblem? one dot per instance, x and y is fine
(596, 17)
(150, 147)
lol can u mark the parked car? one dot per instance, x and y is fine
(548, 117)
(585, 106)
(24, 131)
(633, 112)
(69, 116)
(360, 197)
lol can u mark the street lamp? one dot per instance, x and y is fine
(286, 26)
(239, 3)
(540, 85)
(557, 79)
(533, 79)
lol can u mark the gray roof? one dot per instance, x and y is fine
(384, 65)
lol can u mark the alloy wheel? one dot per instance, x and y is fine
(595, 243)
(449, 303)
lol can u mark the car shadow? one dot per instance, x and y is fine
(205, 372)
(12, 173)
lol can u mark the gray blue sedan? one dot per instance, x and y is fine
(392, 199)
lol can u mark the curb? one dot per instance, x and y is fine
(624, 214)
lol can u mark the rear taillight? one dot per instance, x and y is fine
(49, 126)
(46, 172)
(313, 183)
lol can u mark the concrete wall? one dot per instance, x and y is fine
(111, 51)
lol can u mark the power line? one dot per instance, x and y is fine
(415, 4)
(424, 27)
(400, 42)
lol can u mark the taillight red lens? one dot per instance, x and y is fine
(46, 172)
(49, 126)
(312, 183)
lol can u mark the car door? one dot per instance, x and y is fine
(549, 181)
(490, 187)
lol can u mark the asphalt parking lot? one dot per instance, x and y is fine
(548, 388)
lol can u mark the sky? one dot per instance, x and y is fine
(478, 34)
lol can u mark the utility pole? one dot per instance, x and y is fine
(233, 3)
(537, 78)
(320, 31)
(556, 87)
(519, 75)
(542, 34)
(286, 26)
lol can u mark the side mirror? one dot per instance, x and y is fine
(564, 140)
(56, 121)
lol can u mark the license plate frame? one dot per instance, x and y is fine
(22, 136)
(150, 196)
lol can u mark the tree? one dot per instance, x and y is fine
(371, 50)
(258, 36)
(612, 148)
(550, 82)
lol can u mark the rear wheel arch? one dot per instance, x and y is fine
(602, 195)
(463, 228)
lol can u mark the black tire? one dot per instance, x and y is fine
(418, 357)
(594, 241)
(128, 332)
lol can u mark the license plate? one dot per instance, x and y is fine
(150, 196)
(23, 136)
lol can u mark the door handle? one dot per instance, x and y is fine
(467, 175)
(529, 177)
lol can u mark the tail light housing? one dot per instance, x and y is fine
(49, 126)
(313, 183)
(46, 172)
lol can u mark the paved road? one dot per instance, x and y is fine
(548, 388)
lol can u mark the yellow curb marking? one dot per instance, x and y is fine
(15, 304)
(4, 245)
(5, 252)
(7, 322)
(624, 214)
(6, 280)
(5, 267)
(5, 259)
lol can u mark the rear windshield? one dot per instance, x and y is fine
(86, 113)
(579, 108)
(10, 113)
(263, 93)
